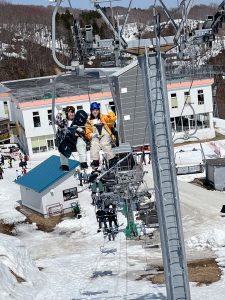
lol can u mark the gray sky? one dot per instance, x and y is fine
(136, 3)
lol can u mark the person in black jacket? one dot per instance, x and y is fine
(112, 217)
(101, 217)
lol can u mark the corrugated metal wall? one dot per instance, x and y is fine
(129, 92)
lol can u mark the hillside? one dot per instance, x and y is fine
(25, 35)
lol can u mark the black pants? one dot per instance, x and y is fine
(113, 219)
(100, 221)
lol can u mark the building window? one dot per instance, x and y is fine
(112, 106)
(70, 194)
(36, 119)
(200, 97)
(49, 117)
(79, 107)
(187, 97)
(174, 100)
(42, 143)
(6, 109)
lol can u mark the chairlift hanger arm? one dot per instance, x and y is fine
(120, 38)
(55, 11)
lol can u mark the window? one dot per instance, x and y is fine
(70, 194)
(112, 106)
(200, 97)
(36, 119)
(6, 109)
(49, 117)
(187, 97)
(79, 107)
(174, 100)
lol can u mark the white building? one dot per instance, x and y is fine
(32, 111)
(48, 190)
(31, 106)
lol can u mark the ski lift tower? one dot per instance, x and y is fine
(163, 162)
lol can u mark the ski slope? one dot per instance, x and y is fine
(75, 262)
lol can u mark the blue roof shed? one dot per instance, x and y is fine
(45, 174)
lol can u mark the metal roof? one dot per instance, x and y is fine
(67, 85)
(45, 174)
(217, 162)
(4, 89)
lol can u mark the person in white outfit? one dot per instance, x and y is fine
(99, 133)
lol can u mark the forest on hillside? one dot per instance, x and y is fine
(25, 35)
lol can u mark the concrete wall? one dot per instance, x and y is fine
(219, 178)
(210, 173)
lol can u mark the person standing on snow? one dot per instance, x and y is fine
(99, 133)
(2, 160)
(78, 139)
(1, 173)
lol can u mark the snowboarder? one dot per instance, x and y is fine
(1, 172)
(99, 133)
(70, 136)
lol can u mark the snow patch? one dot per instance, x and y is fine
(212, 239)
(71, 226)
(15, 258)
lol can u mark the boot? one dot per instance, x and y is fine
(64, 168)
(95, 163)
(83, 165)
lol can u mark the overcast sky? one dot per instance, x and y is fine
(136, 3)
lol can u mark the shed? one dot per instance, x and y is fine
(48, 190)
(215, 173)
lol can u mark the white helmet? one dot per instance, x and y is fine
(110, 206)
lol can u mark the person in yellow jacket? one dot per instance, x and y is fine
(99, 132)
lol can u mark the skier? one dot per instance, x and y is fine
(70, 138)
(1, 172)
(99, 133)
(101, 218)
(2, 160)
(111, 214)
(95, 186)
(18, 174)
(24, 171)
(143, 160)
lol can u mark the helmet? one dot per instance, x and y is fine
(110, 206)
(69, 108)
(95, 105)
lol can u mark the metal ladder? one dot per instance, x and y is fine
(164, 174)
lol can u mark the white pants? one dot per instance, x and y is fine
(101, 142)
(82, 152)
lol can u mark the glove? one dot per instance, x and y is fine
(80, 130)
(94, 135)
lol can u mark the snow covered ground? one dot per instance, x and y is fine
(75, 262)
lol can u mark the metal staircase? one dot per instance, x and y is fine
(164, 173)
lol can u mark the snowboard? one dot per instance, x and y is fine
(68, 144)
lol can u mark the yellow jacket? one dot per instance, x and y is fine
(107, 120)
